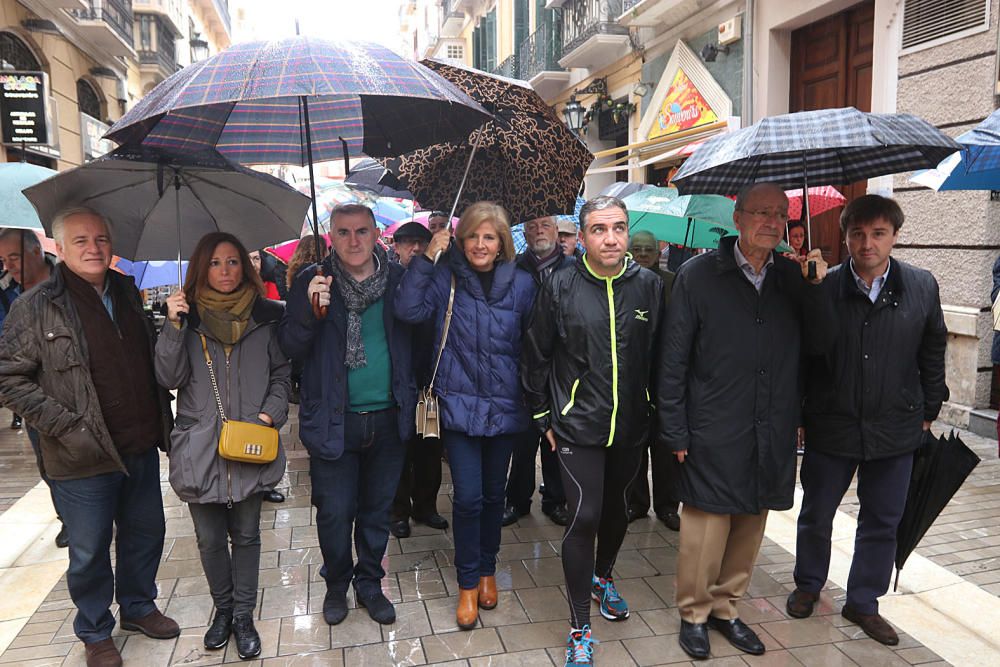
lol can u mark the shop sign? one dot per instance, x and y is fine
(91, 133)
(23, 112)
(683, 107)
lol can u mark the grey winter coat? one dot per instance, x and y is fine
(255, 380)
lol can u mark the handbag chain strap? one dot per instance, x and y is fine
(444, 333)
(211, 374)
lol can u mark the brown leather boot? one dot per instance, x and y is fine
(103, 654)
(487, 592)
(468, 608)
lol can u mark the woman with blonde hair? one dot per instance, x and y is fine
(477, 382)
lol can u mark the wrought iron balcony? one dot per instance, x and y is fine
(166, 62)
(508, 68)
(115, 13)
(541, 52)
(582, 19)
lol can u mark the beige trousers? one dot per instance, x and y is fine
(716, 560)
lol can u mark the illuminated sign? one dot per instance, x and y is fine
(683, 107)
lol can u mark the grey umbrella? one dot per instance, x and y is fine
(161, 204)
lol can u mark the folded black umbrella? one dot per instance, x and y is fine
(940, 467)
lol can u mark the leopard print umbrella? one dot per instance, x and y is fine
(528, 161)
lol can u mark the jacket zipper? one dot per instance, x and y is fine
(572, 398)
(609, 284)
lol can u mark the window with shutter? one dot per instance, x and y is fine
(930, 22)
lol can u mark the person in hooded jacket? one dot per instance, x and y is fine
(587, 374)
(478, 384)
(222, 314)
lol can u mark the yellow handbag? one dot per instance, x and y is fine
(241, 441)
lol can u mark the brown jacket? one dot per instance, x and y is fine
(45, 378)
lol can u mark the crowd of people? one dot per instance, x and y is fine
(601, 361)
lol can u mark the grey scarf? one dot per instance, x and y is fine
(357, 297)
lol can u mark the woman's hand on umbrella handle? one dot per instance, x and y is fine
(439, 243)
(177, 306)
(319, 294)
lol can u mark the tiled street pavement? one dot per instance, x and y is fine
(528, 627)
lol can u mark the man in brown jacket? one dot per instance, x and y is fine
(76, 361)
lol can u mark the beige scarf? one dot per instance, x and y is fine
(226, 315)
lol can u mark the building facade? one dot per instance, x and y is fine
(657, 77)
(93, 60)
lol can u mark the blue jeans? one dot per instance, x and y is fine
(356, 491)
(93, 509)
(479, 477)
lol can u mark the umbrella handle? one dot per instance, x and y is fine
(319, 312)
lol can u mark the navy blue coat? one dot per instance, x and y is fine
(995, 350)
(478, 383)
(322, 349)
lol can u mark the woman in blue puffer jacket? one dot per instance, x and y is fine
(478, 383)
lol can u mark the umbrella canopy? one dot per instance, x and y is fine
(575, 216)
(976, 167)
(284, 251)
(526, 159)
(152, 273)
(17, 210)
(826, 147)
(622, 189)
(370, 176)
(247, 102)
(691, 221)
(940, 466)
(389, 212)
(821, 200)
(137, 190)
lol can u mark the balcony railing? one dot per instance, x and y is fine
(541, 52)
(164, 61)
(629, 4)
(582, 19)
(116, 13)
(508, 68)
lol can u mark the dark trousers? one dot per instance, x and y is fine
(665, 482)
(882, 486)
(420, 480)
(355, 492)
(479, 475)
(521, 481)
(130, 508)
(232, 576)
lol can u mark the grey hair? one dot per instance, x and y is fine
(31, 242)
(644, 233)
(59, 220)
(599, 204)
(748, 190)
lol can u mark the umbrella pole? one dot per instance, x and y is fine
(684, 248)
(461, 186)
(177, 206)
(318, 310)
(811, 269)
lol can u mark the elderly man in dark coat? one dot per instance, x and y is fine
(729, 406)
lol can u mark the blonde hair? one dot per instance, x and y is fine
(486, 211)
(305, 254)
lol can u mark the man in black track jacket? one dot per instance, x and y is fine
(586, 371)
(869, 399)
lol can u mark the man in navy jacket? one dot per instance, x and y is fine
(357, 408)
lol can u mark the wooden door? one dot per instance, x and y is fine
(831, 67)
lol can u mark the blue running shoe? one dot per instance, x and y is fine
(580, 648)
(613, 607)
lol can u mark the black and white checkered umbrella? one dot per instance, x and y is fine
(825, 147)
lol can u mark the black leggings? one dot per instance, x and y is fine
(596, 480)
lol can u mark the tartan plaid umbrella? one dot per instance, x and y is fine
(825, 147)
(525, 159)
(253, 102)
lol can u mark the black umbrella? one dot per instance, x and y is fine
(940, 467)
(370, 176)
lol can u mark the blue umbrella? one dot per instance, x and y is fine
(153, 273)
(17, 210)
(388, 212)
(975, 167)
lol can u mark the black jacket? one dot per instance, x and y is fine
(586, 374)
(729, 381)
(525, 263)
(883, 372)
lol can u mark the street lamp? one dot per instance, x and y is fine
(574, 112)
(199, 48)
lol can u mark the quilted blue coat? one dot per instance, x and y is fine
(478, 382)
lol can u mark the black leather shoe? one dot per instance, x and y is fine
(694, 640)
(62, 539)
(400, 528)
(218, 633)
(671, 520)
(334, 607)
(559, 515)
(636, 513)
(510, 516)
(435, 521)
(247, 639)
(274, 497)
(738, 634)
(379, 608)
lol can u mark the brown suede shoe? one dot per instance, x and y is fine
(874, 626)
(800, 603)
(154, 625)
(468, 608)
(103, 654)
(487, 592)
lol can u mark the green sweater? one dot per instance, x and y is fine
(370, 387)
